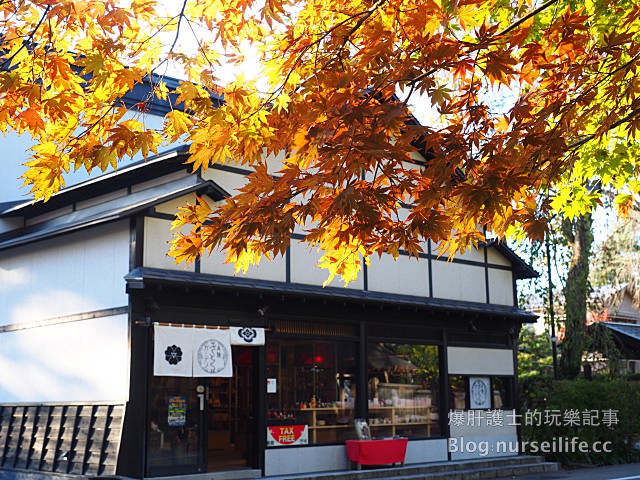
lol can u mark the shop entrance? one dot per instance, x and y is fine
(204, 424)
(230, 433)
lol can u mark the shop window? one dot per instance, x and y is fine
(173, 424)
(479, 392)
(311, 388)
(404, 390)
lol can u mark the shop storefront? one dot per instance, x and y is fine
(292, 402)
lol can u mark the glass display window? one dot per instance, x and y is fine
(403, 390)
(314, 385)
(479, 392)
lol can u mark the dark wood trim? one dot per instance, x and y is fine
(365, 276)
(152, 213)
(228, 168)
(486, 275)
(287, 264)
(136, 242)
(362, 381)
(445, 405)
(108, 312)
(261, 405)
(430, 262)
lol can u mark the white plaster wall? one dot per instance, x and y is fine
(157, 234)
(304, 268)
(65, 275)
(500, 287)
(475, 254)
(494, 257)
(424, 451)
(478, 439)
(487, 361)
(86, 360)
(171, 207)
(229, 181)
(294, 460)
(406, 275)
(275, 270)
(457, 281)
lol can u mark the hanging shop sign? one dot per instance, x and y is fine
(177, 411)
(248, 336)
(173, 351)
(191, 352)
(212, 354)
(287, 435)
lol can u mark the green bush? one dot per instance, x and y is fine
(616, 397)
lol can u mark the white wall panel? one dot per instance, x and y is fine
(477, 439)
(229, 181)
(304, 268)
(406, 275)
(500, 286)
(171, 207)
(493, 256)
(487, 361)
(423, 451)
(275, 162)
(65, 275)
(289, 461)
(275, 270)
(157, 234)
(474, 254)
(457, 281)
(86, 360)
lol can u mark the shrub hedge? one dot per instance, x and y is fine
(613, 404)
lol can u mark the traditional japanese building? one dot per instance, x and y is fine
(87, 384)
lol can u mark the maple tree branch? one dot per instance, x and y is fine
(520, 21)
(180, 17)
(29, 38)
(588, 138)
(508, 29)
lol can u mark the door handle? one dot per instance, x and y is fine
(201, 398)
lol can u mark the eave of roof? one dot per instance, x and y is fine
(162, 164)
(144, 276)
(628, 334)
(113, 210)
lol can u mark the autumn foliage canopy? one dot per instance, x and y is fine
(529, 105)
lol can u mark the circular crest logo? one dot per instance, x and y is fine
(479, 392)
(173, 354)
(212, 356)
(247, 334)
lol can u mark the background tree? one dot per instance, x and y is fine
(338, 79)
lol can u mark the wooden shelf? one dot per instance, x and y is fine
(394, 415)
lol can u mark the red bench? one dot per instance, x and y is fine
(377, 452)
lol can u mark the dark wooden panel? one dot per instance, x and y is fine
(76, 439)
(26, 437)
(6, 414)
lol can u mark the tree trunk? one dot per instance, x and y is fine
(580, 238)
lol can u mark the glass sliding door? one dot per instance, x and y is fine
(174, 436)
